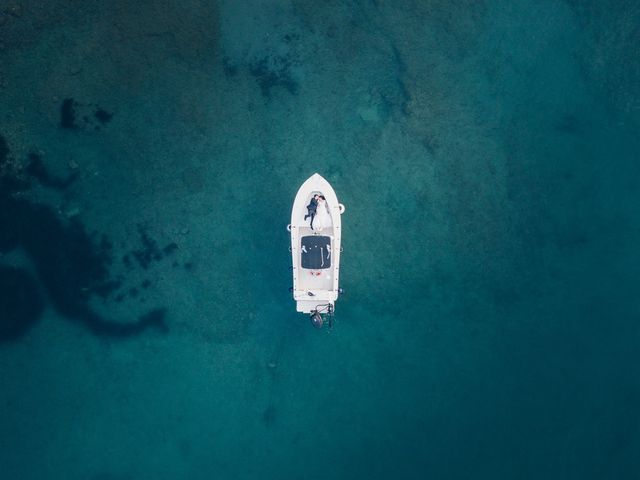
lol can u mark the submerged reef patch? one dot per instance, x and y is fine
(12, 179)
(274, 71)
(4, 150)
(273, 64)
(70, 110)
(102, 116)
(149, 252)
(68, 114)
(37, 170)
(21, 303)
(70, 264)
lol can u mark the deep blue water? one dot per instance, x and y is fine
(487, 154)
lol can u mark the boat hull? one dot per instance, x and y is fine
(315, 251)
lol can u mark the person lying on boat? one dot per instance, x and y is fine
(322, 216)
(312, 208)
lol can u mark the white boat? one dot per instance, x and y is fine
(315, 249)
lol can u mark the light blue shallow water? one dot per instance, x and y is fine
(487, 154)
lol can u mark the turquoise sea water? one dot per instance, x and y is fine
(487, 154)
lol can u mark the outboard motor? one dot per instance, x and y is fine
(322, 313)
(316, 319)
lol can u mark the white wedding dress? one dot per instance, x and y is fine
(323, 217)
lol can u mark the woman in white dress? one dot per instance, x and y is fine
(323, 217)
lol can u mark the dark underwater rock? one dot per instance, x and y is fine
(274, 71)
(68, 114)
(103, 116)
(21, 303)
(4, 150)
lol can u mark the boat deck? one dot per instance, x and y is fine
(315, 278)
(315, 267)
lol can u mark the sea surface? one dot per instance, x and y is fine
(488, 155)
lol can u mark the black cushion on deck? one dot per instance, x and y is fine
(315, 252)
